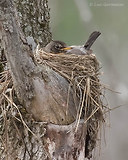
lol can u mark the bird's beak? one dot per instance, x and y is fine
(67, 48)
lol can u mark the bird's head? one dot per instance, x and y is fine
(56, 47)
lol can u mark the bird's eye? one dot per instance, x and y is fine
(58, 46)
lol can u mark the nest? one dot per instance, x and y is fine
(82, 72)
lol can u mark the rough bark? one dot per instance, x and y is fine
(43, 93)
(63, 143)
(34, 20)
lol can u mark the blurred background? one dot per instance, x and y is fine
(72, 21)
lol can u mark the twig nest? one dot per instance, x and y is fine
(82, 71)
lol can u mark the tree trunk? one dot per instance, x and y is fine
(34, 20)
(41, 92)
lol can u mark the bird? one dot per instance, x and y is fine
(57, 47)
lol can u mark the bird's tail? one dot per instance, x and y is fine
(91, 39)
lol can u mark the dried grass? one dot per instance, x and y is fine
(16, 123)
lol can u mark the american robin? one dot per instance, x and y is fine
(57, 47)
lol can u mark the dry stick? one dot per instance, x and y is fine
(79, 114)
(105, 86)
(11, 95)
(82, 78)
(19, 114)
(94, 111)
(97, 104)
(4, 72)
(11, 98)
(87, 93)
(111, 109)
(21, 137)
(86, 102)
(80, 96)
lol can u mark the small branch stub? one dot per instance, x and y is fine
(63, 143)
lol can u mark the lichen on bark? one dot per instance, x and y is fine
(34, 19)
